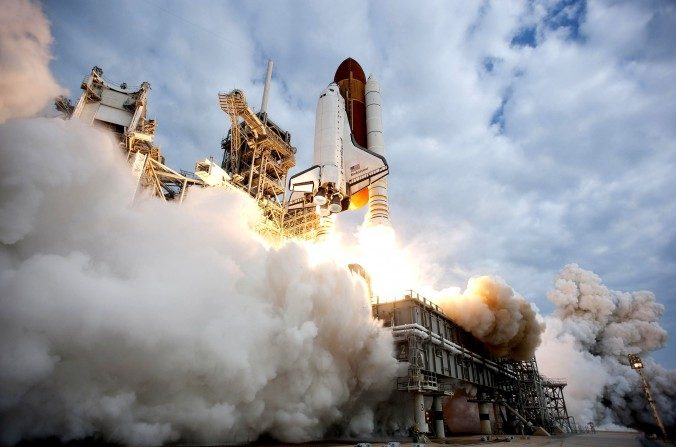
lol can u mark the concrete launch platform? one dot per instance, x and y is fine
(600, 439)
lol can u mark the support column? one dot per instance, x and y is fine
(485, 418)
(438, 417)
(419, 413)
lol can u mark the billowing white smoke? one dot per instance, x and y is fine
(587, 341)
(158, 321)
(148, 323)
(489, 309)
(496, 315)
(26, 84)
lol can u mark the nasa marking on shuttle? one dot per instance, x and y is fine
(325, 185)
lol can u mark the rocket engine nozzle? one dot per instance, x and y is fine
(320, 198)
(336, 204)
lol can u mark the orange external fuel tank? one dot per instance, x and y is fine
(351, 82)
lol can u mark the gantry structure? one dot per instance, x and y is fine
(257, 155)
(123, 111)
(556, 404)
(443, 357)
(257, 152)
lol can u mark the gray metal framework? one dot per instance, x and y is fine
(442, 357)
(556, 403)
(122, 110)
(257, 154)
(523, 392)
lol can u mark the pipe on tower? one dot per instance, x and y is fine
(266, 89)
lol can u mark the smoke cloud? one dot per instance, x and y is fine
(156, 322)
(26, 84)
(587, 340)
(496, 315)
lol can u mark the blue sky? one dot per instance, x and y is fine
(521, 136)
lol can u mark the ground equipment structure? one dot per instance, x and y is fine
(123, 111)
(442, 357)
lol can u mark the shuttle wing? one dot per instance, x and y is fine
(362, 167)
(302, 186)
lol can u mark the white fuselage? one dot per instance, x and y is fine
(330, 129)
(341, 167)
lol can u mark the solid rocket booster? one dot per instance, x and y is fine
(378, 212)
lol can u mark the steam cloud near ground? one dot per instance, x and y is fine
(496, 315)
(154, 322)
(148, 323)
(587, 341)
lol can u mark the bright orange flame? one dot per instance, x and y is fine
(359, 199)
(393, 269)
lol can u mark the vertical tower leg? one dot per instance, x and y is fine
(485, 418)
(419, 413)
(438, 417)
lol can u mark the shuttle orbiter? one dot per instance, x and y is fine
(341, 167)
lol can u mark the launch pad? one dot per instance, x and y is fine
(439, 356)
(442, 357)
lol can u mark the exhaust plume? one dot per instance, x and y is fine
(158, 322)
(496, 315)
(161, 322)
(26, 84)
(587, 340)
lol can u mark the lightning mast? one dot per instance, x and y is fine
(636, 363)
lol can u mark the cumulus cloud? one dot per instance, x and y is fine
(587, 340)
(26, 83)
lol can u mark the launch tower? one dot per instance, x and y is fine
(257, 156)
(122, 110)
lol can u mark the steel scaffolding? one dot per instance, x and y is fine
(257, 154)
(122, 110)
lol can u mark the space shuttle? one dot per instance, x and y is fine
(343, 169)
